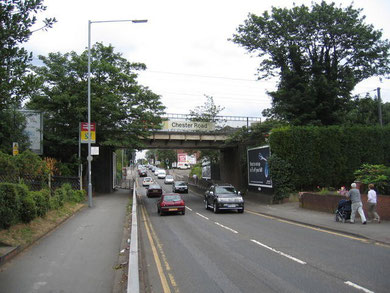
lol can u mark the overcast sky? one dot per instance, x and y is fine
(185, 46)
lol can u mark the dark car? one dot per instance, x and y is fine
(223, 197)
(180, 186)
(154, 190)
(171, 203)
(142, 173)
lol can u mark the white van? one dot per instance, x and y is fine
(161, 174)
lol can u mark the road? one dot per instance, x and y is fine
(231, 252)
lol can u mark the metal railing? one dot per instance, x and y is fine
(221, 122)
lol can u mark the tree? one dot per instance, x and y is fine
(364, 111)
(16, 20)
(122, 109)
(208, 112)
(319, 55)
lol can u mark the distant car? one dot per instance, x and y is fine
(156, 171)
(171, 203)
(142, 173)
(154, 190)
(169, 179)
(161, 174)
(147, 181)
(223, 197)
(180, 186)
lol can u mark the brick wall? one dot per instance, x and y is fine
(328, 203)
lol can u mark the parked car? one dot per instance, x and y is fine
(161, 174)
(223, 197)
(154, 190)
(147, 181)
(171, 203)
(169, 179)
(180, 186)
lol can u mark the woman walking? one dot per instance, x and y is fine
(371, 204)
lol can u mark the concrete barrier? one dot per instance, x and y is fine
(133, 273)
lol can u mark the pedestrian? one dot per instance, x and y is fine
(371, 204)
(356, 206)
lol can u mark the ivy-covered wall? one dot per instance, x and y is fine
(328, 156)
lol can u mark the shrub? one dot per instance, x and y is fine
(28, 209)
(67, 191)
(379, 175)
(60, 195)
(281, 173)
(41, 201)
(78, 195)
(55, 202)
(9, 205)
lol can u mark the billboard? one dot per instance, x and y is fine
(258, 170)
(34, 130)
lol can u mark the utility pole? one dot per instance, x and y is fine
(379, 106)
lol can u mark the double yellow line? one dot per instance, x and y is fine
(157, 251)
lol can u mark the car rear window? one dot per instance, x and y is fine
(181, 184)
(172, 198)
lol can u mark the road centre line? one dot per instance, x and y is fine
(358, 287)
(188, 208)
(310, 227)
(279, 252)
(227, 228)
(200, 215)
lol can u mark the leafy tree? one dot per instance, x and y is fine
(16, 20)
(364, 111)
(164, 155)
(122, 109)
(319, 55)
(208, 112)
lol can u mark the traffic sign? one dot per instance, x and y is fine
(15, 148)
(84, 133)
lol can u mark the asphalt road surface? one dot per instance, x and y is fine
(231, 252)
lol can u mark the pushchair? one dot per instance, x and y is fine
(343, 212)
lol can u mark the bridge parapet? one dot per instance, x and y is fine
(188, 123)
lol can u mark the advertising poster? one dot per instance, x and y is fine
(34, 130)
(258, 170)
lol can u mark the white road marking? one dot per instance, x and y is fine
(227, 228)
(200, 215)
(279, 252)
(188, 208)
(358, 287)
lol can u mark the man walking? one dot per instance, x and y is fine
(354, 196)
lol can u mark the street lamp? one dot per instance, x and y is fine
(89, 158)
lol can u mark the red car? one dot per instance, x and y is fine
(171, 203)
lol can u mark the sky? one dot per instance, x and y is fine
(185, 46)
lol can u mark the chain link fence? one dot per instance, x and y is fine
(36, 183)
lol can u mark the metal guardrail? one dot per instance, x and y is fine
(133, 273)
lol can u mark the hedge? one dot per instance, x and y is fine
(18, 204)
(329, 156)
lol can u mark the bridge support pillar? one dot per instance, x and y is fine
(231, 167)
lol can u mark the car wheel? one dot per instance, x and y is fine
(215, 208)
(161, 213)
(206, 206)
(241, 211)
(183, 212)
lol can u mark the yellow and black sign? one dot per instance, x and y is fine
(15, 148)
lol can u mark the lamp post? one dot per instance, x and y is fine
(89, 158)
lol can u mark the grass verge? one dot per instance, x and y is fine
(24, 234)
